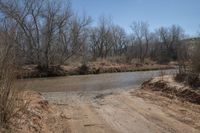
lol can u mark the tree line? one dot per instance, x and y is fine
(47, 32)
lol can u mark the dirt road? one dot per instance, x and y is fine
(124, 111)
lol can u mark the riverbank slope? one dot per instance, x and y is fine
(113, 110)
(97, 67)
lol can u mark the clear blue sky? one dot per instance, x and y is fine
(185, 13)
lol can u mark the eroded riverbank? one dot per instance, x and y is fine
(96, 67)
(114, 103)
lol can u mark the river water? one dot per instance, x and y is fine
(92, 82)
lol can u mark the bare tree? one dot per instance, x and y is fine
(38, 21)
(142, 38)
(169, 39)
(101, 39)
(50, 33)
(120, 41)
(20, 12)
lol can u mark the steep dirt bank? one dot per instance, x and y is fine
(32, 71)
(167, 86)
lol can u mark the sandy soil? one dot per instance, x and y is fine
(125, 111)
(38, 117)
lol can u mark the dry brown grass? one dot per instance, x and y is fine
(11, 104)
(12, 107)
(168, 87)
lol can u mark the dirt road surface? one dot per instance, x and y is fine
(124, 111)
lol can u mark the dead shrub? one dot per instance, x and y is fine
(190, 74)
(51, 71)
(193, 80)
(196, 57)
(180, 77)
(12, 106)
(11, 103)
(162, 73)
(84, 69)
(190, 78)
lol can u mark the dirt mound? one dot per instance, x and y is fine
(40, 116)
(170, 88)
